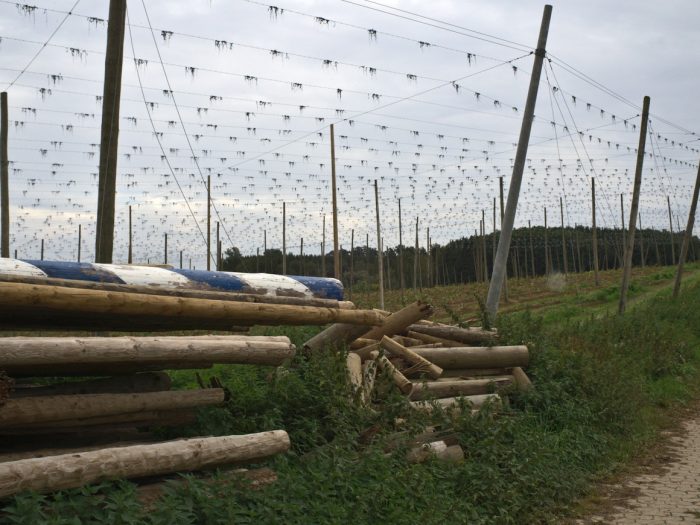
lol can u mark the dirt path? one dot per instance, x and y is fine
(665, 491)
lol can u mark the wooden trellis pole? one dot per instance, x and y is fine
(670, 229)
(165, 249)
(80, 239)
(4, 179)
(380, 263)
(131, 246)
(505, 274)
(402, 282)
(500, 267)
(594, 234)
(563, 237)
(352, 260)
(629, 248)
(208, 222)
(284, 238)
(109, 137)
(336, 253)
(687, 238)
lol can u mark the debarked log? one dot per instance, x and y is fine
(476, 356)
(14, 296)
(20, 355)
(39, 410)
(470, 336)
(454, 388)
(74, 470)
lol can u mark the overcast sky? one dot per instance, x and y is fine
(432, 114)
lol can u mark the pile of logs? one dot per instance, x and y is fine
(432, 364)
(64, 434)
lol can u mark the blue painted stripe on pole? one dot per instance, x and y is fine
(322, 287)
(217, 280)
(75, 271)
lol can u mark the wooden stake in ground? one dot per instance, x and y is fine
(563, 237)
(629, 249)
(323, 248)
(670, 229)
(415, 262)
(74, 470)
(352, 262)
(336, 254)
(130, 254)
(687, 237)
(80, 239)
(284, 238)
(4, 180)
(380, 264)
(111, 97)
(594, 233)
(402, 282)
(165, 248)
(208, 222)
(500, 267)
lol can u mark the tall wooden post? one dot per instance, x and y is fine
(687, 238)
(415, 262)
(257, 259)
(428, 251)
(622, 232)
(641, 240)
(563, 237)
(218, 248)
(109, 137)
(208, 222)
(594, 234)
(284, 238)
(547, 262)
(352, 260)
(4, 179)
(483, 245)
(670, 229)
(80, 239)
(380, 262)
(505, 274)
(402, 281)
(323, 249)
(301, 257)
(629, 248)
(265, 268)
(493, 240)
(336, 253)
(165, 249)
(532, 251)
(499, 269)
(180, 259)
(42, 249)
(130, 253)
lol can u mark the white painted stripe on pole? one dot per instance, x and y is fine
(274, 284)
(19, 268)
(146, 275)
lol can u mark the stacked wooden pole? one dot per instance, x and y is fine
(127, 394)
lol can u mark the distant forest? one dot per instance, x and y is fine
(534, 251)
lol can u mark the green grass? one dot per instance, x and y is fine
(604, 386)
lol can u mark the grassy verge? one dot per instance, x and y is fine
(604, 384)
